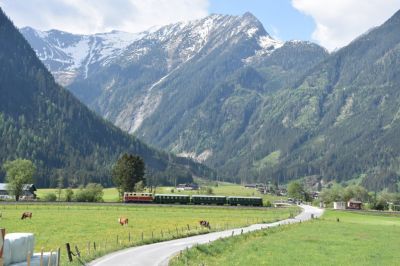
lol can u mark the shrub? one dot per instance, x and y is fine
(206, 191)
(69, 193)
(267, 203)
(50, 197)
(91, 193)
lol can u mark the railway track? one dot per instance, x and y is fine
(119, 204)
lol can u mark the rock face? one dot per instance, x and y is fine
(221, 90)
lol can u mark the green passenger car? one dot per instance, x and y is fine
(245, 201)
(206, 199)
(171, 199)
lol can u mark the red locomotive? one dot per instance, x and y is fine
(138, 197)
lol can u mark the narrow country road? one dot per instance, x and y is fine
(159, 253)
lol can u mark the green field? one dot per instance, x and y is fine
(54, 225)
(224, 189)
(357, 239)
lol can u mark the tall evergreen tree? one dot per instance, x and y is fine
(127, 172)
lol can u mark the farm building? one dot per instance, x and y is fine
(250, 186)
(339, 205)
(394, 206)
(192, 186)
(354, 204)
(28, 192)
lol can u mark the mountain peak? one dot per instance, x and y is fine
(250, 16)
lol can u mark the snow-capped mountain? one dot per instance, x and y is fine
(190, 87)
(72, 56)
(69, 55)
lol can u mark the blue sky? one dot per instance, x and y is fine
(279, 17)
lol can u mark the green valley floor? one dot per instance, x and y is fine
(338, 238)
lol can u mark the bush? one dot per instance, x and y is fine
(91, 193)
(69, 193)
(50, 197)
(206, 191)
(267, 203)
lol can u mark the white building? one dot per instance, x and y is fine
(339, 205)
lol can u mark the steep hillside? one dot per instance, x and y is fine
(194, 87)
(341, 121)
(42, 121)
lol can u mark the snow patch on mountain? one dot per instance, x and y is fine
(77, 52)
(201, 158)
(268, 45)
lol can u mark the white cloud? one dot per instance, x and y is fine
(91, 16)
(338, 22)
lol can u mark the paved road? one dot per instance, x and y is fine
(158, 254)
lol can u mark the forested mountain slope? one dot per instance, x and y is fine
(41, 121)
(341, 121)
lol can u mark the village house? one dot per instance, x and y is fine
(28, 192)
(354, 204)
(192, 186)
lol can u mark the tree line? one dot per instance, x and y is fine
(128, 174)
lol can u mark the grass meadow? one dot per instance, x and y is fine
(86, 224)
(357, 239)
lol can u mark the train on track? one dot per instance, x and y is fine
(137, 197)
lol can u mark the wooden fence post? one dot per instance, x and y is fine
(152, 235)
(188, 227)
(94, 246)
(69, 252)
(117, 241)
(88, 248)
(28, 259)
(78, 253)
(142, 236)
(129, 237)
(2, 234)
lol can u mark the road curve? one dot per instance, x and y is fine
(158, 254)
